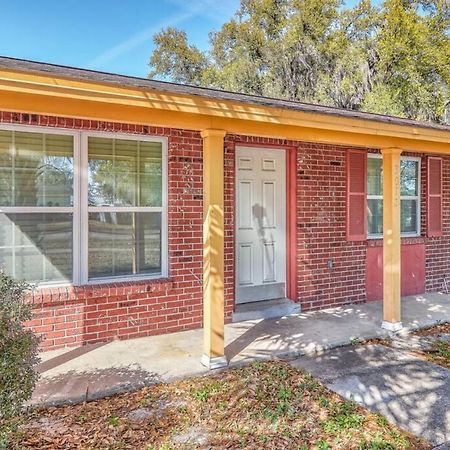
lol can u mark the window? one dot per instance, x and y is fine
(125, 207)
(79, 207)
(37, 205)
(409, 192)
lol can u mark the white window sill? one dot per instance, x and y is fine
(102, 281)
(402, 236)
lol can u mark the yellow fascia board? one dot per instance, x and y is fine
(103, 101)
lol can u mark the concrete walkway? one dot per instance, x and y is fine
(94, 371)
(410, 392)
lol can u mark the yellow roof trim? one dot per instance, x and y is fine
(48, 94)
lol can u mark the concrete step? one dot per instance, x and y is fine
(266, 309)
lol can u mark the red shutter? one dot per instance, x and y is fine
(356, 226)
(434, 200)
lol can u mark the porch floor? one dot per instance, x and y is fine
(93, 371)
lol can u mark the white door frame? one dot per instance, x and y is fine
(285, 241)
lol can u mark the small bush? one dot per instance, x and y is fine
(18, 354)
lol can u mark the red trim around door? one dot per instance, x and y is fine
(291, 220)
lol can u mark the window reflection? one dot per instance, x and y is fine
(409, 191)
(36, 247)
(124, 243)
(124, 172)
(35, 169)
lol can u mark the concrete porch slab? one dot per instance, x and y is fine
(267, 309)
(73, 375)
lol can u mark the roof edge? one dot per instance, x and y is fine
(80, 74)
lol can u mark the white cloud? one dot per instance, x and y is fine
(135, 40)
(206, 8)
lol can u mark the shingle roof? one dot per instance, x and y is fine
(174, 88)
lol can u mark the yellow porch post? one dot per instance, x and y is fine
(391, 239)
(213, 245)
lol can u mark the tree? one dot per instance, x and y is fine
(348, 77)
(393, 59)
(413, 71)
(175, 59)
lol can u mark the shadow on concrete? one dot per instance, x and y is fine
(76, 387)
(250, 335)
(299, 334)
(313, 332)
(67, 356)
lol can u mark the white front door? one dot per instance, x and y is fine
(260, 224)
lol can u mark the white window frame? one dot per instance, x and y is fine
(74, 209)
(402, 197)
(80, 207)
(86, 209)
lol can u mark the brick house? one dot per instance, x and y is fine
(141, 207)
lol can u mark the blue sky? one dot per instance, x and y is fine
(103, 35)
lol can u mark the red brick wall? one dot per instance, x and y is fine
(437, 250)
(77, 315)
(321, 196)
(229, 224)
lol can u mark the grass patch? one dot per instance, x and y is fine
(441, 349)
(204, 393)
(439, 353)
(343, 416)
(266, 405)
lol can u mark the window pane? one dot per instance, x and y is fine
(124, 243)
(124, 172)
(375, 216)
(36, 247)
(409, 177)
(374, 176)
(409, 216)
(36, 169)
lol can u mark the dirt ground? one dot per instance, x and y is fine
(266, 405)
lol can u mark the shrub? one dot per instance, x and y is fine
(18, 354)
